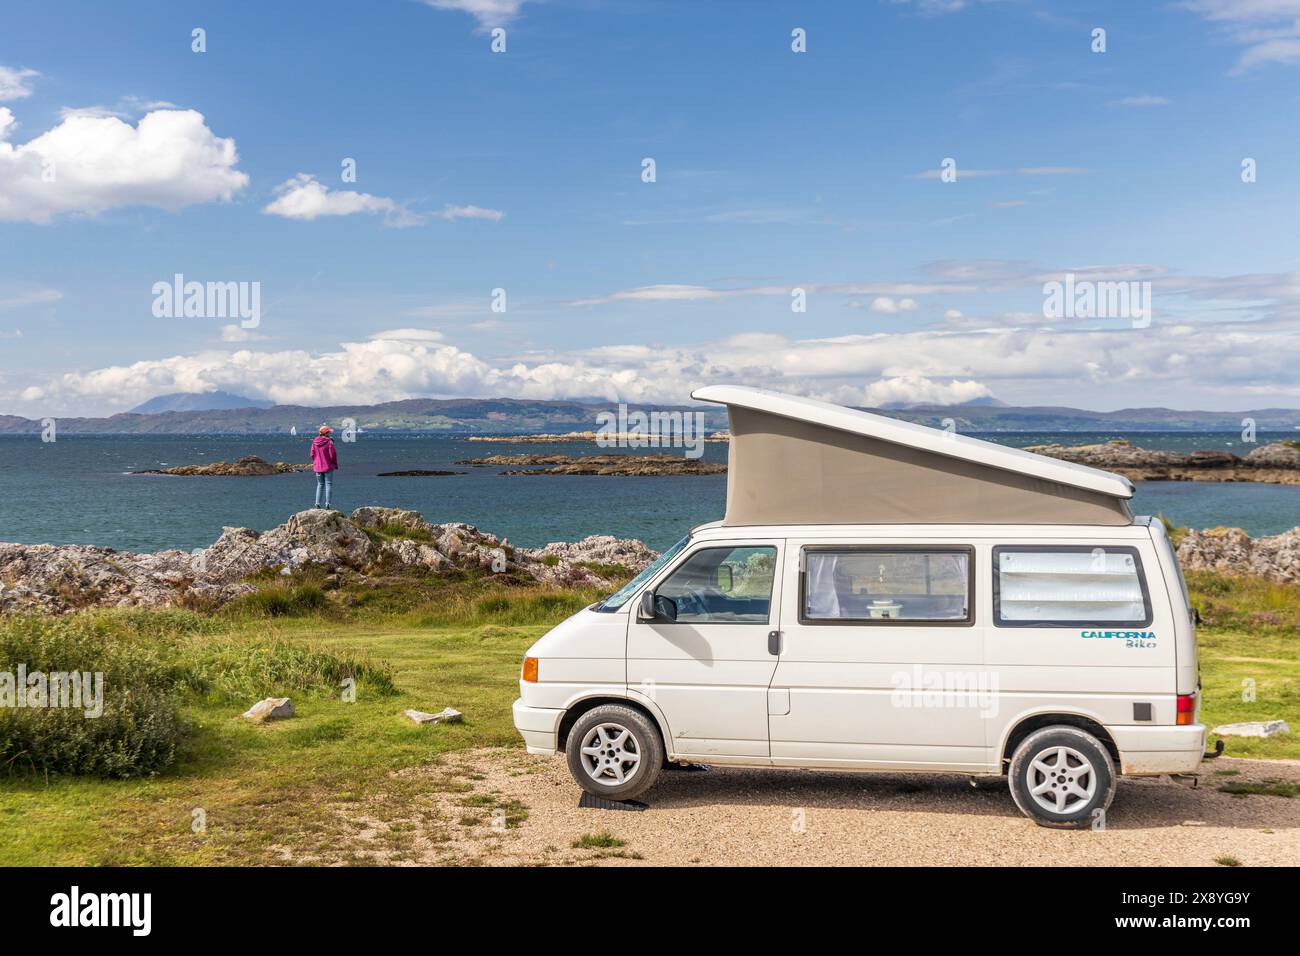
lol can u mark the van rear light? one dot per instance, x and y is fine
(530, 674)
(1186, 708)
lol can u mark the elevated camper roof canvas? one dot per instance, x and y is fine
(799, 461)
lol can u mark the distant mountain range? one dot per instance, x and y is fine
(198, 402)
(511, 416)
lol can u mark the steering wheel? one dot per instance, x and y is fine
(695, 602)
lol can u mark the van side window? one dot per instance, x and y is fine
(1069, 586)
(886, 585)
(723, 585)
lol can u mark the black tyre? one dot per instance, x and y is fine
(615, 752)
(1061, 776)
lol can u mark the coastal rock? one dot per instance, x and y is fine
(601, 549)
(61, 578)
(622, 465)
(248, 466)
(1232, 551)
(1276, 463)
(1278, 454)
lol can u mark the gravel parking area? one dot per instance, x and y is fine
(795, 817)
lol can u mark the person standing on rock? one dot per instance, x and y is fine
(324, 461)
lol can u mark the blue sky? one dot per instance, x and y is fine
(775, 170)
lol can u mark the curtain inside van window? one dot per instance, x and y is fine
(1090, 586)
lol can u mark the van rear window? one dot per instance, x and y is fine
(1068, 586)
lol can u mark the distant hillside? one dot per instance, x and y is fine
(197, 402)
(453, 416)
(509, 416)
(1051, 418)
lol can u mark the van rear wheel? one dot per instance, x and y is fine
(1062, 777)
(615, 752)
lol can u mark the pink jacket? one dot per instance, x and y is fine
(323, 456)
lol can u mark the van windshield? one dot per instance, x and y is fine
(625, 593)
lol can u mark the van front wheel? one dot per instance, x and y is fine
(615, 752)
(1062, 777)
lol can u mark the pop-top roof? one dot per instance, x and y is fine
(799, 460)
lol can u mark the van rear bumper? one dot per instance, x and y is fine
(1145, 751)
(538, 725)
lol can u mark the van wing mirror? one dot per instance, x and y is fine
(653, 608)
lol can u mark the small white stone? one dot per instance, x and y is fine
(448, 715)
(273, 708)
(1253, 728)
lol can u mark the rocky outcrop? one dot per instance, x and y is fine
(1276, 463)
(372, 542)
(603, 465)
(600, 549)
(1232, 551)
(248, 466)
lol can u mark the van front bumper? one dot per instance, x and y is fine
(538, 725)
(1147, 751)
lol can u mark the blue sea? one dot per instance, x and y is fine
(80, 489)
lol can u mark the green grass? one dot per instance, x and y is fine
(1263, 788)
(602, 840)
(1249, 643)
(268, 787)
(270, 793)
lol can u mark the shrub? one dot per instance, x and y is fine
(151, 663)
(245, 669)
(139, 728)
(293, 600)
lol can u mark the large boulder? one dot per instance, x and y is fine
(319, 536)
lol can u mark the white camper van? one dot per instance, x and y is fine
(885, 596)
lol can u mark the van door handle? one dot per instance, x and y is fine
(774, 642)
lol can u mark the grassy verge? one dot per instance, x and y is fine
(269, 794)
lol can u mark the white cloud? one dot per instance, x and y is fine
(489, 13)
(90, 164)
(14, 83)
(304, 197)
(1105, 368)
(1146, 99)
(1269, 30)
(961, 172)
(1051, 170)
(27, 299)
(452, 213)
(237, 333)
(888, 306)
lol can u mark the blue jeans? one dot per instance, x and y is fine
(324, 485)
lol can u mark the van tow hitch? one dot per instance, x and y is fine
(1216, 752)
